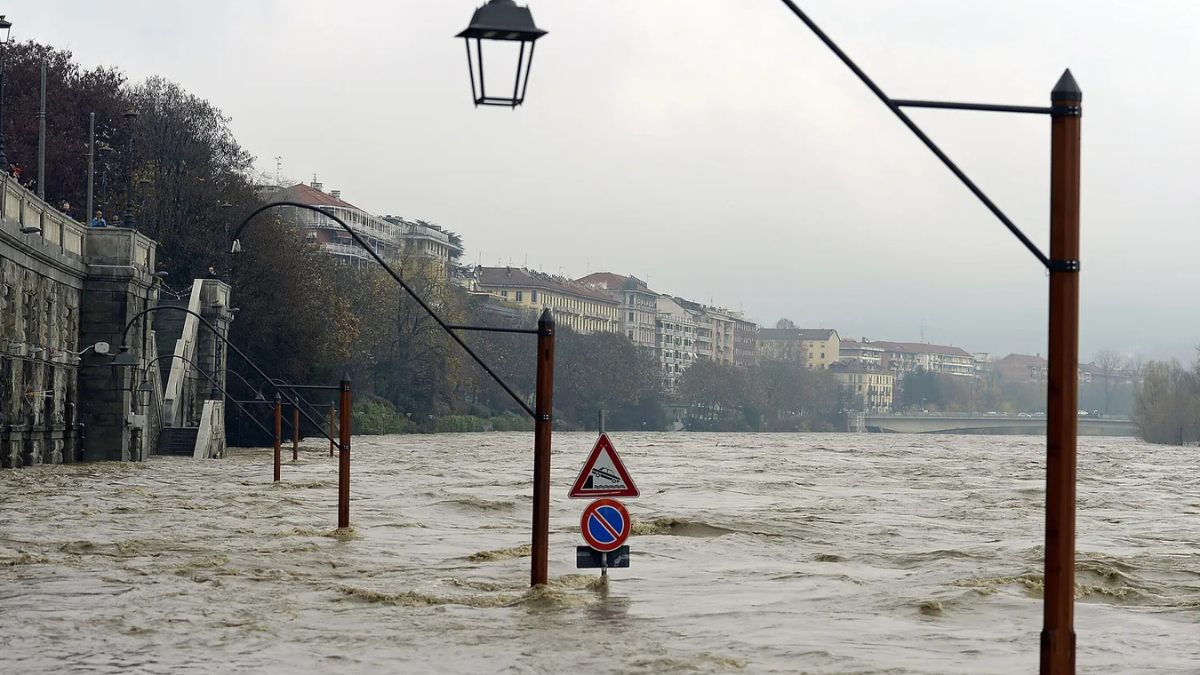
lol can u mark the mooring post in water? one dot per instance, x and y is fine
(1058, 631)
(344, 456)
(603, 558)
(332, 427)
(542, 419)
(295, 433)
(278, 434)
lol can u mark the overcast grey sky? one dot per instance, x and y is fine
(718, 148)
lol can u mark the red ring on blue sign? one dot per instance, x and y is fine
(605, 525)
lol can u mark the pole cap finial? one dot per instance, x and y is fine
(547, 318)
(346, 376)
(1066, 89)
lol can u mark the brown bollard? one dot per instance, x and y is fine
(278, 434)
(542, 421)
(1062, 402)
(295, 434)
(332, 427)
(344, 457)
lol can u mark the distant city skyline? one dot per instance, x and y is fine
(719, 149)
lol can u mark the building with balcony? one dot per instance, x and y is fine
(674, 339)
(863, 352)
(388, 236)
(907, 357)
(816, 348)
(638, 304)
(576, 306)
(724, 326)
(870, 389)
(745, 341)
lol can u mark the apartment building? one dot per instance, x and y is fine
(675, 340)
(388, 236)
(863, 352)
(638, 304)
(1022, 368)
(745, 341)
(816, 348)
(907, 357)
(576, 306)
(870, 389)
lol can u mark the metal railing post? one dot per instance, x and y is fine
(295, 433)
(542, 421)
(344, 457)
(278, 433)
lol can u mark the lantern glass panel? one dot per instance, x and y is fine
(500, 36)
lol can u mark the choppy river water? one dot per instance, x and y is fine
(753, 553)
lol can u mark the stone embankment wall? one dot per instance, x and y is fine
(64, 288)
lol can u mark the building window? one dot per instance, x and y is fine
(533, 296)
(518, 296)
(504, 294)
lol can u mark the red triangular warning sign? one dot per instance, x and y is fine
(603, 474)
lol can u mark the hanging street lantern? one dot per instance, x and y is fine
(501, 21)
(143, 393)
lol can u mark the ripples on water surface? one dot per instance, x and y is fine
(754, 553)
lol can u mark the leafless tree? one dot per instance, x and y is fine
(1110, 363)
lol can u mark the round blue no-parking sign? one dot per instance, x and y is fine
(605, 525)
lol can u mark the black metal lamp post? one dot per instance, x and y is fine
(500, 21)
(128, 220)
(105, 152)
(5, 27)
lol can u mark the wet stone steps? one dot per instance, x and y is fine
(179, 441)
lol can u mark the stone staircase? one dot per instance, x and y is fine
(168, 326)
(179, 441)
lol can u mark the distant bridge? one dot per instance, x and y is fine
(983, 423)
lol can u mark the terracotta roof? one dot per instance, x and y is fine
(795, 334)
(1021, 360)
(308, 195)
(515, 277)
(614, 282)
(922, 348)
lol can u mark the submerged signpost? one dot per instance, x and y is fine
(605, 523)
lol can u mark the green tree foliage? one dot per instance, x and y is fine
(72, 92)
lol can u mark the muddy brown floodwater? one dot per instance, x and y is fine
(752, 553)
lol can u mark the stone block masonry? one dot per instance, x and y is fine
(62, 290)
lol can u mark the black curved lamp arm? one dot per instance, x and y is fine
(361, 242)
(215, 384)
(263, 375)
(894, 105)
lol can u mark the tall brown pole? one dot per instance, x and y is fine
(344, 457)
(1058, 630)
(278, 434)
(332, 422)
(295, 434)
(543, 408)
